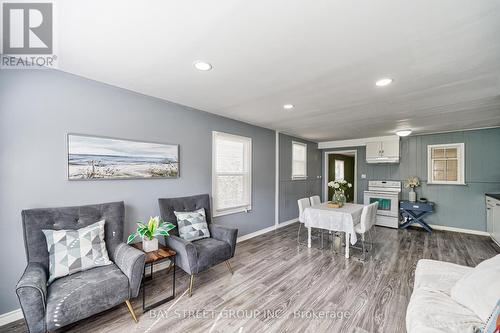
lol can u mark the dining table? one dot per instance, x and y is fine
(343, 219)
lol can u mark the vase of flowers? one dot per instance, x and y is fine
(412, 183)
(339, 188)
(148, 232)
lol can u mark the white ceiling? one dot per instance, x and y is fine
(323, 56)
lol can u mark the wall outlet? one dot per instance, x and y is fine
(363, 176)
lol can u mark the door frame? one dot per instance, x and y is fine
(325, 171)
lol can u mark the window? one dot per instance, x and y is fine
(445, 164)
(299, 160)
(339, 170)
(231, 173)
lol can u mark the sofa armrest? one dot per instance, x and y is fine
(224, 234)
(32, 293)
(187, 255)
(131, 262)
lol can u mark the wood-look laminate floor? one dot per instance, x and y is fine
(279, 286)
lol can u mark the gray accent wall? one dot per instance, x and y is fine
(38, 108)
(290, 190)
(457, 206)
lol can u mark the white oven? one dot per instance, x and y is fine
(387, 193)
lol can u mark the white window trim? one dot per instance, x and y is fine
(299, 177)
(461, 164)
(232, 210)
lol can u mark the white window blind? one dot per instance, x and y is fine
(299, 160)
(446, 164)
(231, 173)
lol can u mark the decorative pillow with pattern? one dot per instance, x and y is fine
(493, 323)
(72, 251)
(192, 225)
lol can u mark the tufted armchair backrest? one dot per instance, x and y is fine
(183, 204)
(34, 220)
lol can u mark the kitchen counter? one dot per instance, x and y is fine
(494, 195)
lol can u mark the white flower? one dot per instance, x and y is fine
(344, 181)
(336, 185)
(349, 185)
(330, 184)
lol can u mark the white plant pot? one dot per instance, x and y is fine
(149, 245)
(412, 196)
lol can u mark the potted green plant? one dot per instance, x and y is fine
(412, 183)
(154, 227)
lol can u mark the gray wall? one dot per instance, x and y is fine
(38, 108)
(292, 190)
(456, 205)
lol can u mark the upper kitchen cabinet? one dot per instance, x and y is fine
(385, 151)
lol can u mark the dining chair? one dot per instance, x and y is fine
(303, 204)
(315, 200)
(368, 219)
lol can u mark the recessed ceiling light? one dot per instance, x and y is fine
(405, 132)
(384, 82)
(288, 106)
(202, 66)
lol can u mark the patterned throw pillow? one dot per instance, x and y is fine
(72, 251)
(192, 225)
(493, 323)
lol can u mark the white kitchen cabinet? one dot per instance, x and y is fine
(373, 150)
(390, 149)
(386, 151)
(493, 218)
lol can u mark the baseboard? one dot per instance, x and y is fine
(265, 230)
(284, 224)
(453, 229)
(10, 317)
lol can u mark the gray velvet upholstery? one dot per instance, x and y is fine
(32, 293)
(70, 296)
(197, 256)
(211, 252)
(83, 294)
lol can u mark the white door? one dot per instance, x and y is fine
(390, 149)
(489, 217)
(496, 224)
(373, 150)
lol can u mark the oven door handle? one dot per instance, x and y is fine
(384, 195)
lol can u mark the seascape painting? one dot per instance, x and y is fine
(92, 157)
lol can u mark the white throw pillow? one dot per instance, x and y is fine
(479, 290)
(192, 225)
(72, 251)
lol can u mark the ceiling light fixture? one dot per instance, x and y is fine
(405, 132)
(288, 106)
(384, 82)
(202, 66)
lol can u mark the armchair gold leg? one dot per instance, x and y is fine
(131, 309)
(191, 283)
(229, 267)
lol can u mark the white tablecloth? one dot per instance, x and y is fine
(336, 219)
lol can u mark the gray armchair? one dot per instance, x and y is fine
(197, 256)
(83, 294)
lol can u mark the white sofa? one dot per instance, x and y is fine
(431, 308)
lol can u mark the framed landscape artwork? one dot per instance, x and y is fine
(91, 157)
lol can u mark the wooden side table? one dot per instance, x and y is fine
(163, 253)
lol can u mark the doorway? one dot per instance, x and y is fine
(341, 165)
